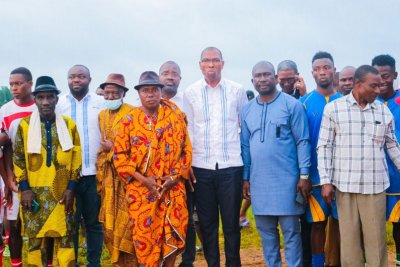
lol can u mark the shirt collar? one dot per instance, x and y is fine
(50, 121)
(278, 93)
(221, 84)
(353, 101)
(88, 96)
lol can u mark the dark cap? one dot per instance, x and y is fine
(149, 78)
(45, 84)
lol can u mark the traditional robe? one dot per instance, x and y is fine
(114, 208)
(157, 148)
(48, 175)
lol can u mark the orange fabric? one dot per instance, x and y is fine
(114, 213)
(159, 226)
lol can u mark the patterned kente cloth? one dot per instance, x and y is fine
(155, 148)
(114, 212)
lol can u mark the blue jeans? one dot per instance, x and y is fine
(267, 227)
(88, 207)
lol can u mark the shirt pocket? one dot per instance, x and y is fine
(377, 132)
(279, 128)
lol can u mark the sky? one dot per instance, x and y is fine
(132, 36)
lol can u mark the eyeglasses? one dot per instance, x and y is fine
(213, 60)
(287, 80)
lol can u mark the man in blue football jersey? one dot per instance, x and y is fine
(317, 211)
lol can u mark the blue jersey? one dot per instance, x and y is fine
(314, 104)
(394, 174)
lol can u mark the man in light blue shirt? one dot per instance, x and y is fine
(84, 108)
(276, 155)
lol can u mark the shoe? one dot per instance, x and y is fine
(244, 223)
(6, 252)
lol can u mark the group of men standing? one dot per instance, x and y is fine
(135, 177)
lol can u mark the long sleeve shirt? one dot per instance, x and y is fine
(275, 150)
(213, 123)
(352, 143)
(85, 114)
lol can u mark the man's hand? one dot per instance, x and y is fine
(8, 197)
(4, 139)
(11, 183)
(67, 200)
(9, 188)
(27, 197)
(246, 190)
(328, 193)
(300, 85)
(107, 145)
(152, 186)
(168, 183)
(304, 187)
(192, 180)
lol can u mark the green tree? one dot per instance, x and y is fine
(5, 95)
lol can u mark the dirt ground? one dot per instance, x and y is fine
(253, 257)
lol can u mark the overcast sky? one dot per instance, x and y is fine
(129, 37)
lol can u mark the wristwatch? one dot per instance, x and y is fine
(304, 176)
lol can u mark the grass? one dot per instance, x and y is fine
(250, 239)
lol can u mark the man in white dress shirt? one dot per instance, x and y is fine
(212, 106)
(84, 107)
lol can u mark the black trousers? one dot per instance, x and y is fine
(219, 192)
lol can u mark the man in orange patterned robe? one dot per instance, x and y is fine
(153, 154)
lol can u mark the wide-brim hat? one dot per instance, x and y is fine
(115, 79)
(45, 84)
(149, 78)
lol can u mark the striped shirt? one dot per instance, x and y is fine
(352, 143)
(85, 114)
(213, 123)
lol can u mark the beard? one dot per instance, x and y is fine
(170, 90)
